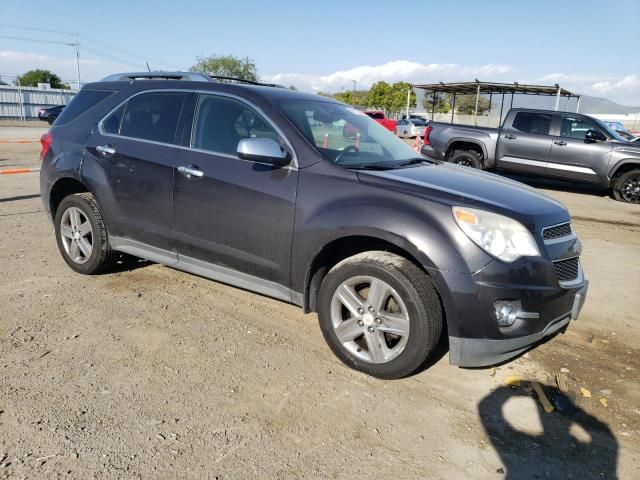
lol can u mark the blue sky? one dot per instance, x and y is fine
(588, 46)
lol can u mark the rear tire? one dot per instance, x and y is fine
(390, 333)
(51, 119)
(467, 158)
(626, 187)
(82, 235)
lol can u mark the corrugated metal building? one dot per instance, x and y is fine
(24, 102)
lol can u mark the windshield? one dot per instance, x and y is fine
(610, 131)
(346, 136)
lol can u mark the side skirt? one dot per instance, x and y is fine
(207, 270)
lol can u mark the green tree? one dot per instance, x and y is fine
(33, 77)
(466, 104)
(227, 66)
(292, 87)
(398, 100)
(443, 103)
(379, 96)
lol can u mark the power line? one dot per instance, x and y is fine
(37, 40)
(127, 52)
(110, 57)
(46, 30)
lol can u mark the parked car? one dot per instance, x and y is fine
(50, 114)
(231, 182)
(619, 128)
(380, 117)
(412, 128)
(544, 143)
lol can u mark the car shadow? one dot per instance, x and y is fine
(127, 263)
(572, 444)
(558, 185)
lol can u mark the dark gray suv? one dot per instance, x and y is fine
(305, 199)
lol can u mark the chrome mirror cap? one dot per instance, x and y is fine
(265, 150)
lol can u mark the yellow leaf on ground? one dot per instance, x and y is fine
(604, 402)
(513, 380)
(585, 393)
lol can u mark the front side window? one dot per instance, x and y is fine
(536, 123)
(575, 127)
(150, 116)
(345, 135)
(221, 123)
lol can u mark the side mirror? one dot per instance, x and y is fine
(593, 136)
(265, 150)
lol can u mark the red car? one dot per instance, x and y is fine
(381, 118)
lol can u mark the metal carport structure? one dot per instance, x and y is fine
(477, 88)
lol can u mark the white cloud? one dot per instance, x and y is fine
(621, 89)
(399, 70)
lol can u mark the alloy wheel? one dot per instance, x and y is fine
(370, 319)
(76, 234)
(630, 189)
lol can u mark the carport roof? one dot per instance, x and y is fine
(471, 88)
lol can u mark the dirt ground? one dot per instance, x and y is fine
(152, 373)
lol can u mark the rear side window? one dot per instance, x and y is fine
(537, 123)
(83, 101)
(151, 116)
(222, 122)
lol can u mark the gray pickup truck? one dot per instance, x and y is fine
(544, 143)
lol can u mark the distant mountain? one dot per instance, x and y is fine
(602, 105)
(588, 104)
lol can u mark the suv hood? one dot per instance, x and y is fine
(451, 184)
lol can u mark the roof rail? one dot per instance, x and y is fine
(242, 80)
(192, 76)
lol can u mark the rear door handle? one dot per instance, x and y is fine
(510, 137)
(560, 142)
(106, 150)
(191, 171)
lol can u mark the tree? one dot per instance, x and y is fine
(292, 87)
(443, 103)
(33, 77)
(227, 66)
(379, 95)
(466, 104)
(398, 100)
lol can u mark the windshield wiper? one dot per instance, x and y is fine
(414, 161)
(371, 166)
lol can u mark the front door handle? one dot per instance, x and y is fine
(510, 137)
(560, 142)
(106, 150)
(191, 171)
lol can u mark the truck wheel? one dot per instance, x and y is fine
(467, 158)
(626, 187)
(51, 119)
(82, 236)
(380, 314)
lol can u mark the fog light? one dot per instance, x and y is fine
(507, 312)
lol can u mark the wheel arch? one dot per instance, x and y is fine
(623, 166)
(466, 144)
(63, 187)
(344, 247)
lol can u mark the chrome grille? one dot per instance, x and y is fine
(566, 270)
(557, 231)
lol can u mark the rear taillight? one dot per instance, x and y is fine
(45, 141)
(427, 132)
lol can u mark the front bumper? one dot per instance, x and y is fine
(480, 352)
(473, 301)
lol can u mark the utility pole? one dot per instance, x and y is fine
(353, 95)
(77, 48)
(408, 101)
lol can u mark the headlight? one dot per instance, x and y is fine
(500, 236)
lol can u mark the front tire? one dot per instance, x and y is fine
(380, 314)
(626, 187)
(82, 235)
(466, 158)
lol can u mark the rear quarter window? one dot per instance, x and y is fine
(82, 102)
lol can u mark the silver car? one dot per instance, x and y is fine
(411, 127)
